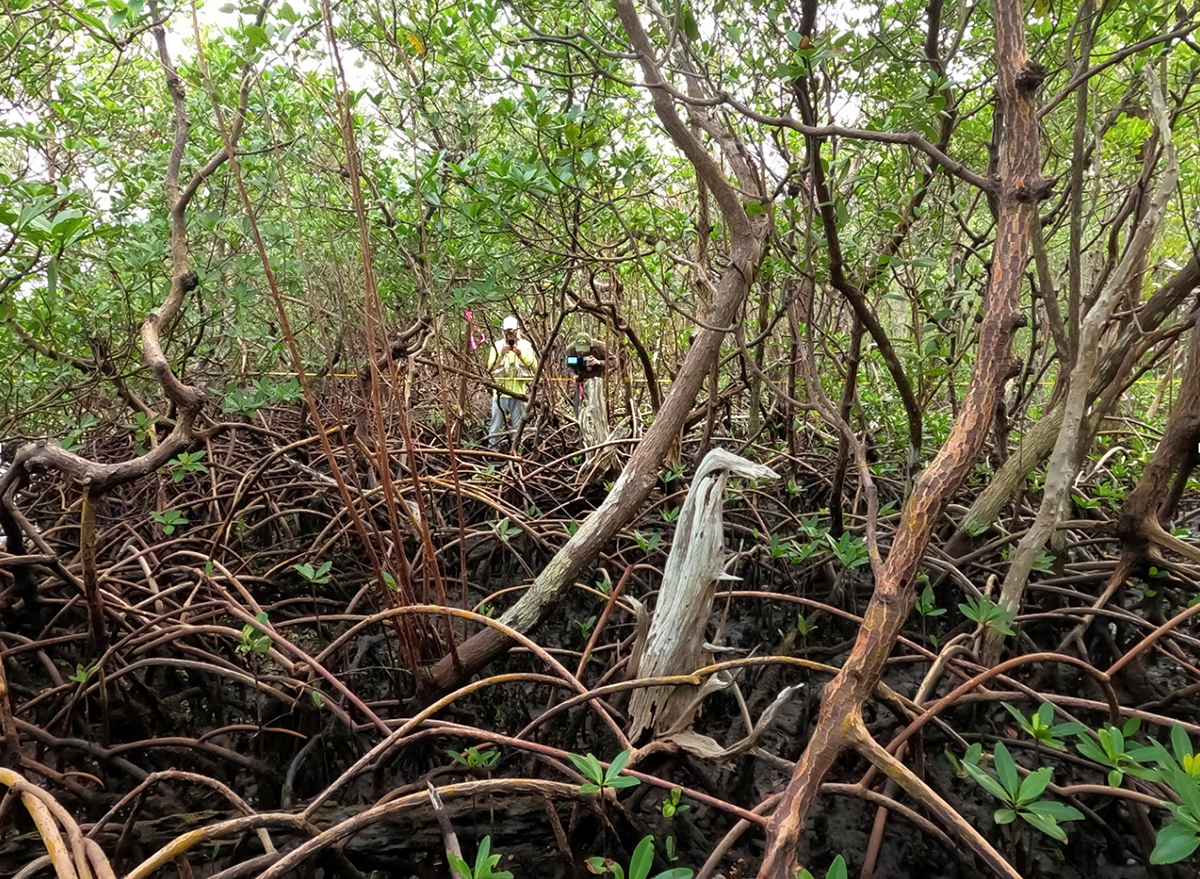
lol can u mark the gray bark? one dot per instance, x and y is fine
(675, 644)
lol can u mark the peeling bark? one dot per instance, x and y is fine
(747, 236)
(1069, 447)
(1018, 189)
(1117, 361)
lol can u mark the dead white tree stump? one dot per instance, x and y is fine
(675, 643)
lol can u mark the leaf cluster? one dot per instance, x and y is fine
(599, 778)
(640, 864)
(1022, 798)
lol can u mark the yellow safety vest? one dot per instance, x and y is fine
(513, 370)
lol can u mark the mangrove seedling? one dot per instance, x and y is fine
(599, 778)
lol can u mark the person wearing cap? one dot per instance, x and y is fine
(587, 359)
(590, 357)
(512, 363)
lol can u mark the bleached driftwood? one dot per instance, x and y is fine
(709, 749)
(593, 425)
(675, 643)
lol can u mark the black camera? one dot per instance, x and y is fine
(577, 363)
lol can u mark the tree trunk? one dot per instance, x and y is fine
(593, 426)
(760, 357)
(1151, 504)
(746, 236)
(1073, 436)
(1039, 438)
(1017, 191)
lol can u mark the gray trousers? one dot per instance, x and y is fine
(507, 414)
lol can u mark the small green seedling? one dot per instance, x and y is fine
(803, 552)
(779, 548)
(84, 673)
(316, 576)
(143, 424)
(1043, 562)
(837, 870)
(988, 614)
(586, 626)
(647, 543)
(1022, 798)
(670, 806)
(485, 864)
(927, 604)
(812, 527)
(254, 641)
(74, 439)
(974, 756)
(475, 758)
(1189, 760)
(1181, 771)
(673, 472)
(185, 463)
(506, 530)
(1111, 492)
(600, 778)
(640, 865)
(1111, 750)
(850, 549)
(1040, 728)
(169, 520)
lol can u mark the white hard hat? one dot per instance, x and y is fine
(510, 323)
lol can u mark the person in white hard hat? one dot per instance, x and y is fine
(512, 363)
